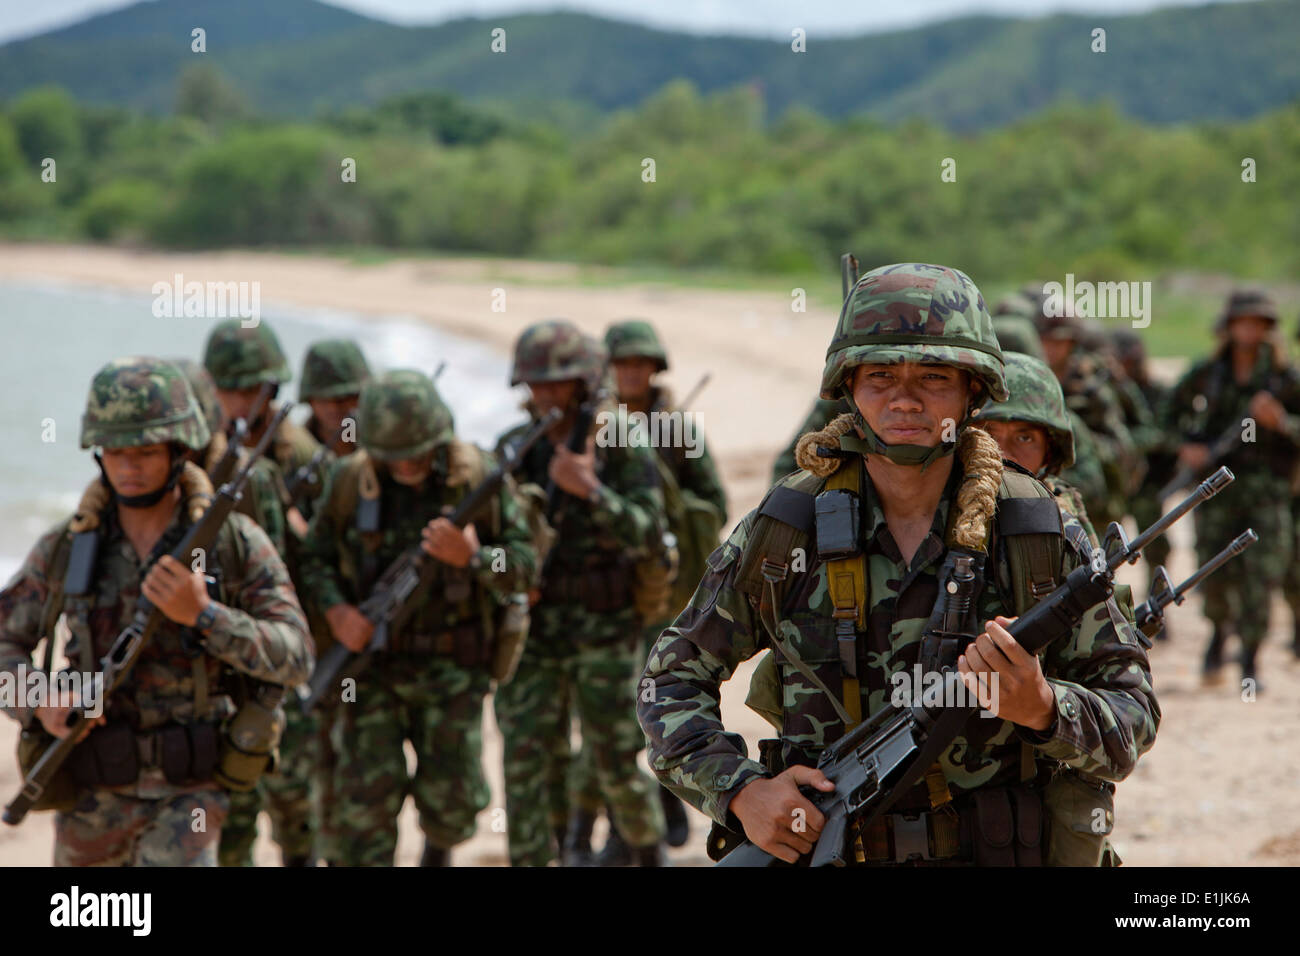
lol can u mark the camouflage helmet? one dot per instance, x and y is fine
(914, 312)
(1243, 302)
(1128, 345)
(238, 357)
(333, 368)
(635, 338)
(205, 393)
(142, 401)
(555, 350)
(401, 415)
(1016, 333)
(1036, 398)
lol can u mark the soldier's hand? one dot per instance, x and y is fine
(575, 473)
(777, 818)
(181, 594)
(297, 523)
(443, 540)
(1194, 456)
(55, 720)
(1267, 410)
(351, 628)
(1021, 693)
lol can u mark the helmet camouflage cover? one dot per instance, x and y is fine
(333, 368)
(401, 415)
(915, 312)
(635, 338)
(1036, 398)
(238, 357)
(142, 401)
(555, 350)
(204, 391)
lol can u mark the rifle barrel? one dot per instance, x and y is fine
(1203, 492)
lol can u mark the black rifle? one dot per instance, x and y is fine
(122, 657)
(307, 471)
(225, 465)
(1150, 614)
(694, 393)
(884, 756)
(393, 598)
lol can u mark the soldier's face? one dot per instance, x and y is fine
(411, 471)
(1247, 331)
(1057, 352)
(548, 395)
(912, 404)
(137, 471)
(1022, 442)
(330, 412)
(237, 402)
(633, 375)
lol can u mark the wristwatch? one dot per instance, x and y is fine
(207, 617)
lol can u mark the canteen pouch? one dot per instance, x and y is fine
(511, 635)
(249, 740)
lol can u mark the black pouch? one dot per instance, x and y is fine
(107, 757)
(174, 753)
(467, 648)
(205, 749)
(1008, 828)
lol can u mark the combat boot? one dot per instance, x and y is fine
(615, 852)
(577, 842)
(1248, 655)
(1212, 671)
(679, 826)
(435, 856)
(652, 855)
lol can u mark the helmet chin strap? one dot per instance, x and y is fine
(153, 497)
(900, 454)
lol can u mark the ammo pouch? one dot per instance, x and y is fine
(511, 634)
(655, 576)
(1006, 827)
(1080, 815)
(108, 757)
(465, 644)
(250, 738)
(114, 754)
(603, 587)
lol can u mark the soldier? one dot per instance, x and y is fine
(147, 794)
(1032, 429)
(585, 625)
(1159, 446)
(697, 510)
(1087, 703)
(240, 360)
(428, 687)
(1246, 387)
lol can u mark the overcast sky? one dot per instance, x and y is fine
(755, 17)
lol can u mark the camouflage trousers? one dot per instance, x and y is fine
(286, 795)
(111, 829)
(533, 711)
(1241, 590)
(438, 707)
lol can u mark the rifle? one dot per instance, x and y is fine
(577, 441)
(1150, 614)
(393, 598)
(884, 756)
(221, 471)
(122, 657)
(307, 470)
(694, 393)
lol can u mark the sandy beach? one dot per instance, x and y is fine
(1219, 788)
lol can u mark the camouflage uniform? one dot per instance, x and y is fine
(582, 648)
(428, 687)
(184, 676)
(1106, 714)
(237, 358)
(332, 368)
(1206, 402)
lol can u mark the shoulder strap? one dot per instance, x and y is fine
(846, 583)
(355, 482)
(784, 522)
(53, 606)
(1029, 523)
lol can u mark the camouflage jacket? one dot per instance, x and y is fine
(609, 536)
(1106, 714)
(1086, 476)
(259, 628)
(292, 448)
(1090, 394)
(333, 563)
(697, 475)
(1207, 401)
(818, 417)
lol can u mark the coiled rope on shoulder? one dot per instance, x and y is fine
(977, 496)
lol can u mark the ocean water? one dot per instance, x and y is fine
(55, 337)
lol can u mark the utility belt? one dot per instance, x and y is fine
(114, 754)
(466, 644)
(603, 589)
